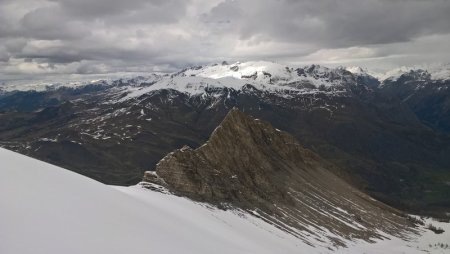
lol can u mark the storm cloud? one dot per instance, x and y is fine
(62, 37)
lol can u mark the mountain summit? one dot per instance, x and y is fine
(248, 164)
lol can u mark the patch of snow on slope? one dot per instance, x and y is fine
(427, 242)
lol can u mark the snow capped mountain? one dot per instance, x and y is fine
(265, 76)
(48, 210)
(426, 92)
(435, 71)
(360, 71)
(52, 83)
(45, 85)
(270, 73)
(356, 70)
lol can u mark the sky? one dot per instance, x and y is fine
(73, 38)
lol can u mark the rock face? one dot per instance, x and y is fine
(248, 164)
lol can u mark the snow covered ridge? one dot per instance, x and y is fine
(53, 83)
(431, 72)
(265, 76)
(47, 85)
(273, 77)
(48, 210)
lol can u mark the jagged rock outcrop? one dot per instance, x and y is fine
(248, 164)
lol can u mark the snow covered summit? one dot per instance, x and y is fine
(433, 71)
(265, 76)
(264, 72)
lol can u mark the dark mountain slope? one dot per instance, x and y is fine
(429, 99)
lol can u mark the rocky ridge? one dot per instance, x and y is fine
(248, 164)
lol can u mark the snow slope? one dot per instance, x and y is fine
(46, 209)
(427, 242)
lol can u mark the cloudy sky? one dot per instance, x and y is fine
(43, 38)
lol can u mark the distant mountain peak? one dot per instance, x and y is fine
(435, 71)
(356, 69)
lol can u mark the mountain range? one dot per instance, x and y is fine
(389, 138)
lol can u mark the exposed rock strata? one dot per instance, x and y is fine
(251, 165)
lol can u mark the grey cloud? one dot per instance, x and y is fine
(105, 36)
(336, 23)
(89, 68)
(4, 55)
(130, 11)
(50, 23)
